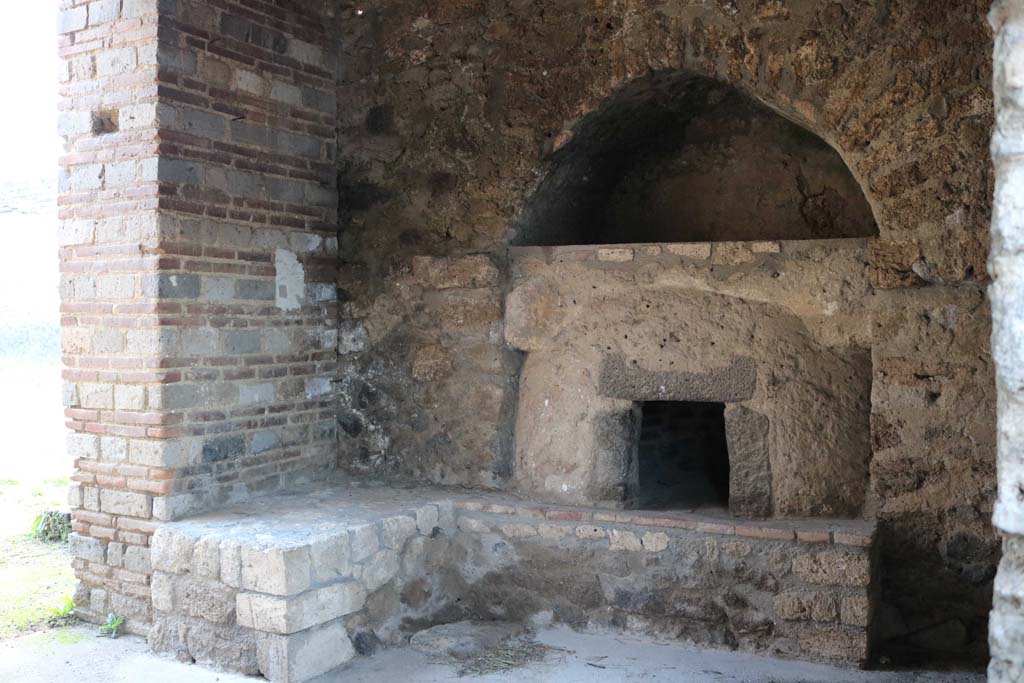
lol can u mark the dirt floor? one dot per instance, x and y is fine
(76, 655)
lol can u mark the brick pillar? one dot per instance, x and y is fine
(248, 227)
(1006, 625)
(110, 262)
(198, 245)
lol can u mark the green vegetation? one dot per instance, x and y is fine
(52, 526)
(63, 615)
(113, 626)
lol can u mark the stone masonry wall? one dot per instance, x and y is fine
(1006, 634)
(452, 111)
(198, 241)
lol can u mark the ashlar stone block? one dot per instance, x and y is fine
(397, 530)
(86, 548)
(379, 569)
(278, 571)
(331, 558)
(231, 563)
(162, 591)
(206, 558)
(364, 542)
(285, 615)
(834, 567)
(127, 503)
(304, 655)
(204, 599)
(806, 606)
(171, 551)
(426, 519)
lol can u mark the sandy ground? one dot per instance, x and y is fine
(35, 577)
(77, 655)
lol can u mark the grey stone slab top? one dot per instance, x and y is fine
(331, 507)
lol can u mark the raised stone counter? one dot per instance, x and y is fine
(292, 585)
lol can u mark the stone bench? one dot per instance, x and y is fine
(292, 585)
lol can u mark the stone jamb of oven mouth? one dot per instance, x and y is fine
(746, 430)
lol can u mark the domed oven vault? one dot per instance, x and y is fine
(690, 244)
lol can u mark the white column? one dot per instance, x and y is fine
(1006, 264)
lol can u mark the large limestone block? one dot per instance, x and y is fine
(750, 477)
(304, 655)
(364, 541)
(426, 519)
(379, 569)
(285, 615)
(203, 599)
(332, 558)
(171, 551)
(223, 646)
(397, 530)
(278, 571)
(86, 548)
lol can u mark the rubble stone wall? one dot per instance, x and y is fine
(454, 113)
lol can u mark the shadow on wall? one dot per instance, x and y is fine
(680, 158)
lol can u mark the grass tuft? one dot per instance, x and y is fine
(113, 626)
(63, 615)
(52, 526)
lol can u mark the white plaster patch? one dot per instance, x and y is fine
(290, 286)
(305, 242)
(352, 337)
(318, 386)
